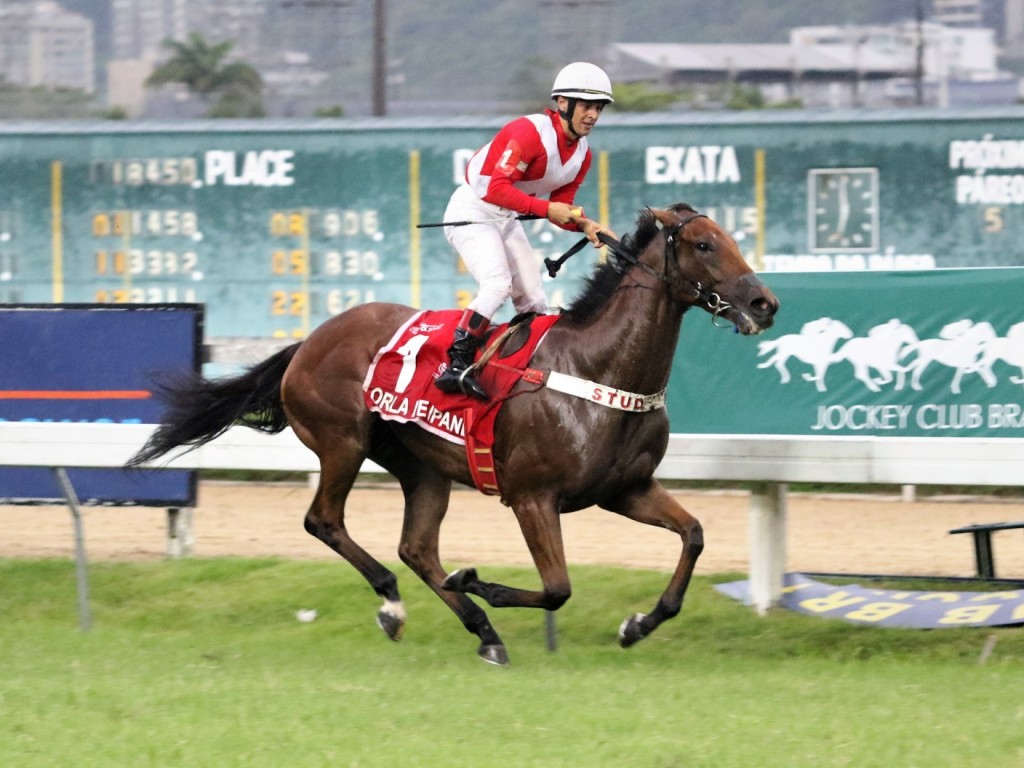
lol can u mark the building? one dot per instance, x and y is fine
(835, 66)
(953, 66)
(289, 41)
(42, 44)
(140, 27)
(956, 13)
(1013, 29)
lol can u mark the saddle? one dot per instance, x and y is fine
(399, 385)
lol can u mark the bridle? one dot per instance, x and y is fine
(711, 300)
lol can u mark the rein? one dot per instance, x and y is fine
(711, 300)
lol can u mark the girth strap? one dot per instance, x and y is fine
(599, 394)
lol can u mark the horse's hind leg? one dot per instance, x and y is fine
(326, 521)
(426, 501)
(542, 531)
(653, 505)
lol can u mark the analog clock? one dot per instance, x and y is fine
(843, 209)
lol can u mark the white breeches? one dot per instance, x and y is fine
(496, 253)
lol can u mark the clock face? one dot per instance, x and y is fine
(843, 209)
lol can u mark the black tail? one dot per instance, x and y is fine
(199, 409)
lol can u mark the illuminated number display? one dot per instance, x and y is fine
(350, 263)
(10, 259)
(322, 261)
(136, 172)
(152, 223)
(150, 262)
(147, 253)
(273, 231)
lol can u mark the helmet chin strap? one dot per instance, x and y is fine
(567, 113)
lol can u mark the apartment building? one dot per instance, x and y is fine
(42, 44)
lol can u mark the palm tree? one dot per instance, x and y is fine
(200, 67)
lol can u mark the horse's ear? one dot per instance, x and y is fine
(665, 218)
(645, 214)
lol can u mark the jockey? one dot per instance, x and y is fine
(533, 166)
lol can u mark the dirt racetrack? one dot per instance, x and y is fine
(825, 533)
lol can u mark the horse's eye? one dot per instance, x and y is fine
(703, 245)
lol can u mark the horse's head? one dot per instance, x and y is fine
(956, 329)
(821, 326)
(704, 268)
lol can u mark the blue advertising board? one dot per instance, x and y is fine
(95, 363)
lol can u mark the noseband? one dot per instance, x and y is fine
(712, 301)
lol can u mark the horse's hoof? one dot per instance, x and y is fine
(494, 654)
(391, 618)
(630, 630)
(457, 580)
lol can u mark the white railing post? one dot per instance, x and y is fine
(81, 572)
(180, 539)
(767, 544)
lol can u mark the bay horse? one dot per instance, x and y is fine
(555, 453)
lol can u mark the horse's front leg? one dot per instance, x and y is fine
(542, 530)
(426, 501)
(780, 366)
(653, 505)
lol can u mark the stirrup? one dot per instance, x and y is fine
(470, 386)
(456, 382)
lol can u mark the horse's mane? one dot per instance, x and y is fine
(601, 284)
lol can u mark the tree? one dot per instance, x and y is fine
(41, 103)
(745, 97)
(643, 97)
(232, 89)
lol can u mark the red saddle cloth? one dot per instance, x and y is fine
(400, 385)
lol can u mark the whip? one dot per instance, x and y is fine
(522, 217)
(577, 211)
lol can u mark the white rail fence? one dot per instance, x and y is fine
(769, 461)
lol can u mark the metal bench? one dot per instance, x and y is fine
(982, 533)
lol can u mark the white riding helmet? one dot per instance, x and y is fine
(581, 80)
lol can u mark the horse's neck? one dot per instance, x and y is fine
(632, 340)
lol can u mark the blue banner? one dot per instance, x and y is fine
(893, 608)
(95, 363)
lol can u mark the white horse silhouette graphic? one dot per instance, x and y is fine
(961, 346)
(880, 351)
(891, 350)
(814, 345)
(1009, 349)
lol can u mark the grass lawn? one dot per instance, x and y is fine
(203, 663)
